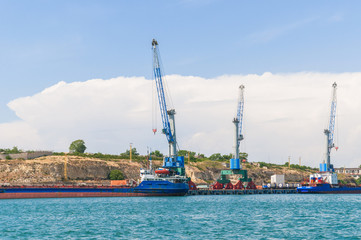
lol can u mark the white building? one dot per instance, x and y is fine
(353, 172)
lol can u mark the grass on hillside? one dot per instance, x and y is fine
(203, 162)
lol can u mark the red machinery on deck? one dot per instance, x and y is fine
(229, 186)
(217, 185)
(238, 185)
(192, 185)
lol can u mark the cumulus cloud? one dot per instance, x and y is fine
(285, 115)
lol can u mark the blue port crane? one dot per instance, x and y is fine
(329, 133)
(240, 112)
(238, 124)
(235, 163)
(168, 120)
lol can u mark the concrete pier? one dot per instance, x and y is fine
(240, 192)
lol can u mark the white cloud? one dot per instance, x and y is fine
(285, 115)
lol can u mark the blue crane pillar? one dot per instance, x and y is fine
(235, 162)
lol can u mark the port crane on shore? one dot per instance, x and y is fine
(329, 133)
(238, 136)
(327, 173)
(173, 161)
(235, 163)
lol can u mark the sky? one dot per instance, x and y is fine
(83, 70)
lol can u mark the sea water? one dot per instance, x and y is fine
(293, 216)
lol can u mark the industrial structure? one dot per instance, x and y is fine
(235, 163)
(325, 181)
(238, 136)
(173, 165)
(327, 173)
(326, 166)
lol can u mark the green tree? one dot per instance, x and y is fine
(116, 174)
(78, 146)
(227, 157)
(157, 153)
(10, 151)
(184, 153)
(216, 156)
(243, 155)
(201, 155)
(15, 150)
(134, 152)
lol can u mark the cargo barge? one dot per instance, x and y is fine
(326, 182)
(145, 188)
(161, 182)
(326, 188)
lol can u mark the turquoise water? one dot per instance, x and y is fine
(193, 217)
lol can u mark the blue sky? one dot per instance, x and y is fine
(45, 42)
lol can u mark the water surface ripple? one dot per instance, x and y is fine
(194, 217)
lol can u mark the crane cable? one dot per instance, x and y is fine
(168, 96)
(154, 107)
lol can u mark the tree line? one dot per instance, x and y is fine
(78, 147)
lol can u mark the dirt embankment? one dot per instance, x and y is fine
(56, 169)
(208, 172)
(59, 169)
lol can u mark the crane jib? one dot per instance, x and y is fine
(240, 109)
(332, 124)
(162, 105)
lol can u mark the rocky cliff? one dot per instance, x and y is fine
(208, 172)
(56, 169)
(59, 169)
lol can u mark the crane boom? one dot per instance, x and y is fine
(240, 111)
(331, 127)
(330, 131)
(161, 95)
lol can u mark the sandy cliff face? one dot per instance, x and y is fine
(261, 176)
(209, 172)
(51, 169)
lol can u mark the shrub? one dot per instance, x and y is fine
(116, 175)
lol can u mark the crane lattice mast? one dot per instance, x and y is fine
(329, 133)
(167, 115)
(238, 123)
